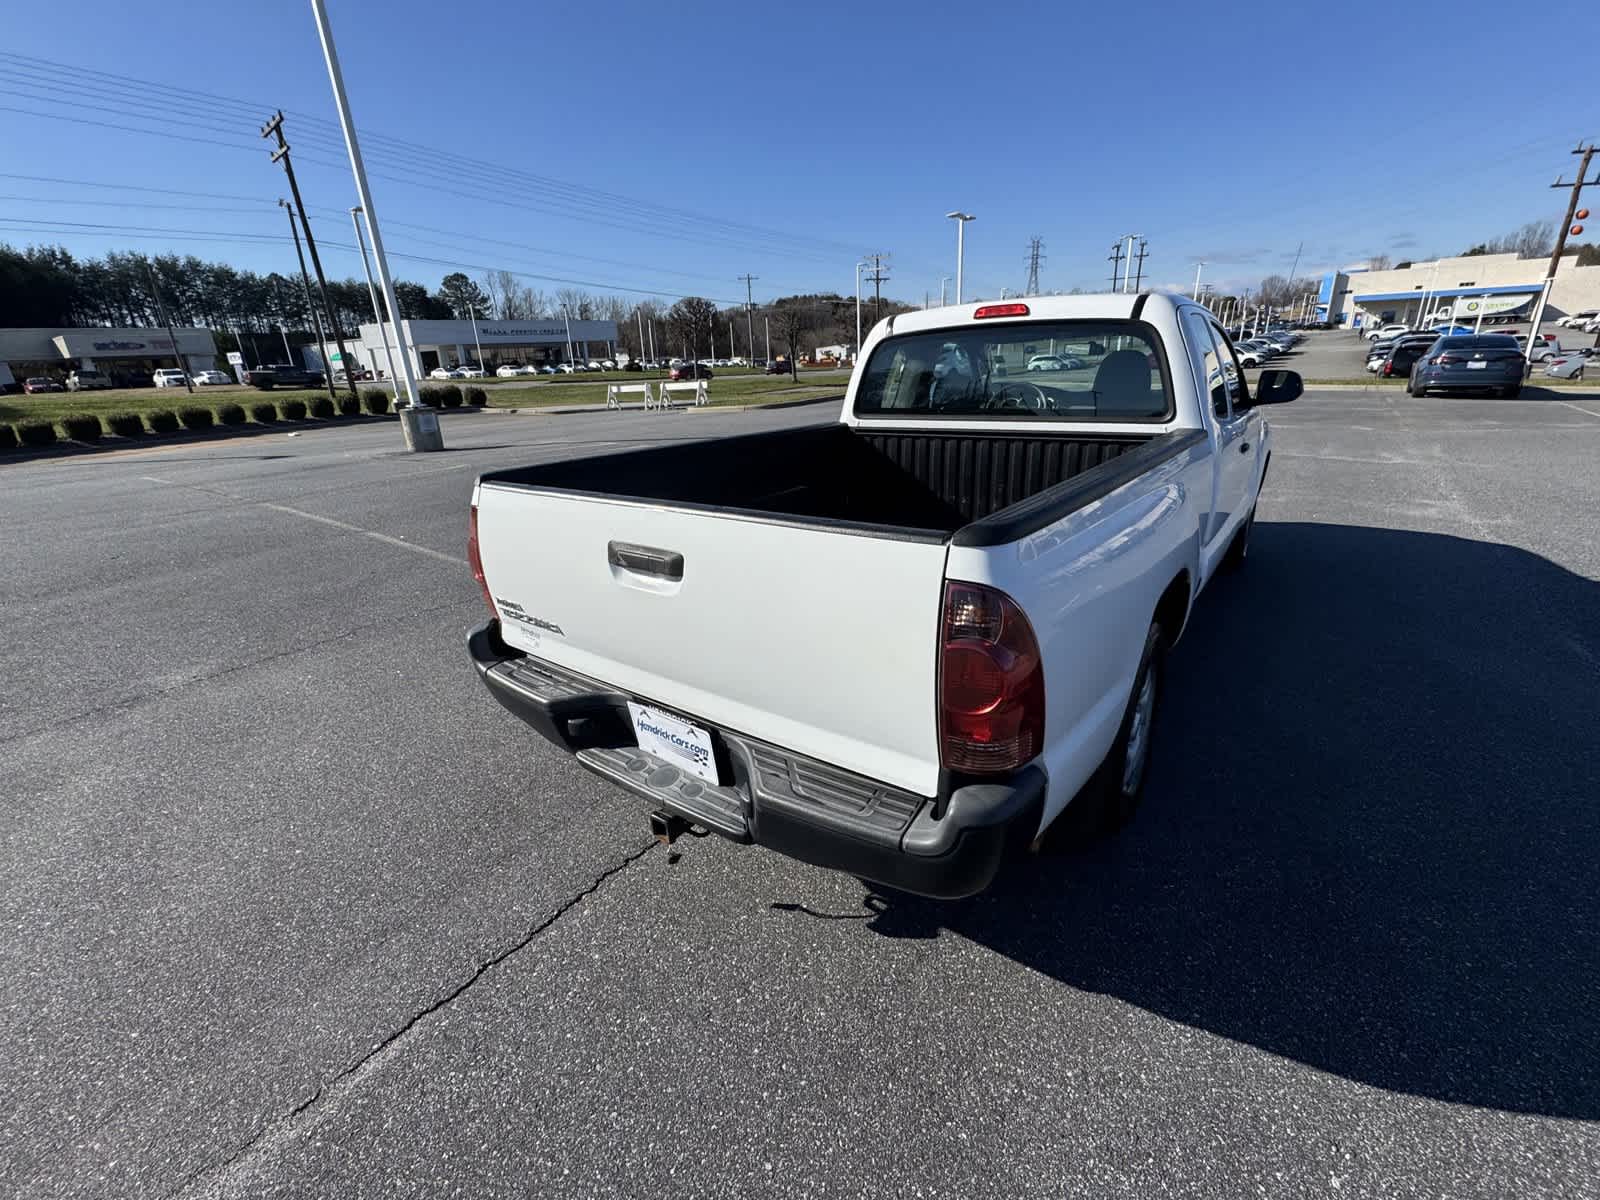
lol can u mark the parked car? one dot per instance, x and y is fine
(283, 375)
(168, 377)
(1405, 351)
(507, 371)
(547, 369)
(608, 364)
(39, 383)
(633, 364)
(1387, 331)
(778, 366)
(592, 365)
(1055, 362)
(1034, 700)
(87, 381)
(1578, 320)
(565, 369)
(1487, 362)
(1546, 348)
(447, 373)
(1568, 366)
(689, 371)
(212, 378)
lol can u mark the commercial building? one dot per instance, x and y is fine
(1499, 287)
(128, 356)
(456, 343)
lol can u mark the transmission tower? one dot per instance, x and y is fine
(1035, 257)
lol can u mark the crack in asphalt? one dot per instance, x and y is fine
(214, 1180)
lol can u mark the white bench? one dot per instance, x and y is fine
(697, 386)
(616, 390)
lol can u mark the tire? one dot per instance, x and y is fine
(1109, 800)
(1418, 392)
(1512, 392)
(1239, 548)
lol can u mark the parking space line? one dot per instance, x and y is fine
(1576, 408)
(319, 518)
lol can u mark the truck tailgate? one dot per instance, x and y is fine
(821, 638)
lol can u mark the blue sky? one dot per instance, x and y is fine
(668, 150)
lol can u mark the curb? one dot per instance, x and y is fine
(67, 448)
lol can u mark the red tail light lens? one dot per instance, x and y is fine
(1000, 310)
(1388, 368)
(991, 683)
(475, 560)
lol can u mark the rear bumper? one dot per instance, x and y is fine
(946, 846)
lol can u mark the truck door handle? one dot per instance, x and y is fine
(1244, 447)
(645, 560)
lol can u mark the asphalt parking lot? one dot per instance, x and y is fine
(293, 909)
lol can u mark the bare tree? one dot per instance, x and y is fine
(505, 292)
(691, 320)
(1378, 262)
(793, 321)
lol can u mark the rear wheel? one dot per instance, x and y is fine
(1419, 391)
(1111, 797)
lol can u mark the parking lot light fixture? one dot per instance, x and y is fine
(961, 219)
(419, 423)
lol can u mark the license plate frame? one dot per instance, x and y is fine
(675, 740)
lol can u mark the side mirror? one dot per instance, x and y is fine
(1278, 387)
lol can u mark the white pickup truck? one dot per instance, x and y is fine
(901, 643)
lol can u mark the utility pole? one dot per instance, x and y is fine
(1197, 268)
(877, 278)
(1580, 182)
(749, 313)
(311, 307)
(1127, 274)
(1035, 257)
(1138, 278)
(766, 323)
(961, 219)
(274, 127)
(161, 311)
(1115, 258)
(639, 314)
(377, 313)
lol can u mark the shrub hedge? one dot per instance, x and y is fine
(446, 395)
(162, 421)
(349, 406)
(195, 417)
(293, 410)
(477, 397)
(322, 408)
(230, 414)
(264, 411)
(36, 433)
(125, 424)
(8, 438)
(375, 400)
(81, 427)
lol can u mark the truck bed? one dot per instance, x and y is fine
(921, 483)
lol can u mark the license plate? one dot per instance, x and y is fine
(674, 740)
(1476, 366)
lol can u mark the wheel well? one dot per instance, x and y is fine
(1172, 609)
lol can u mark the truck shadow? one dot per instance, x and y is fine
(1371, 842)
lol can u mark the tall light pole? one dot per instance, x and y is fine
(1197, 267)
(377, 313)
(961, 219)
(472, 311)
(943, 279)
(421, 424)
(1127, 276)
(567, 317)
(864, 262)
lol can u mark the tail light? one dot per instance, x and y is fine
(475, 561)
(991, 683)
(1000, 310)
(1388, 367)
(1444, 360)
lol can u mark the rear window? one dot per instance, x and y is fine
(1080, 371)
(1487, 341)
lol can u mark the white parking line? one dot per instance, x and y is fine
(317, 517)
(1576, 408)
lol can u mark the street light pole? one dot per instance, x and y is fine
(567, 317)
(421, 425)
(1197, 267)
(372, 290)
(859, 265)
(961, 219)
(1127, 276)
(943, 279)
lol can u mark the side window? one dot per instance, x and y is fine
(1238, 388)
(1197, 329)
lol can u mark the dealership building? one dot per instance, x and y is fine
(127, 356)
(1499, 287)
(433, 344)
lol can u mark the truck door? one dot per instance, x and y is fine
(1221, 386)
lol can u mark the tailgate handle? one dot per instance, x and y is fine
(645, 560)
